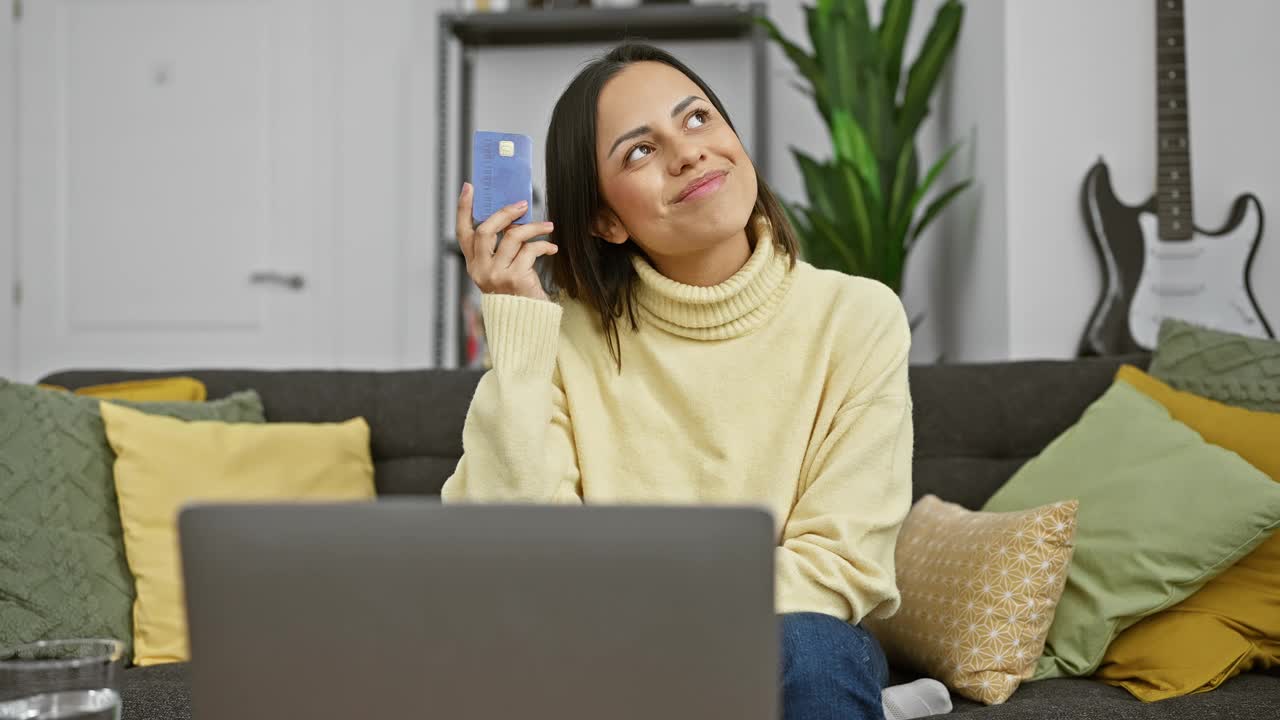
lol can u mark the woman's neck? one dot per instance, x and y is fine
(729, 303)
(708, 267)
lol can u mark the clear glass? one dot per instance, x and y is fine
(61, 679)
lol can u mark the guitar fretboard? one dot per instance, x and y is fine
(1173, 149)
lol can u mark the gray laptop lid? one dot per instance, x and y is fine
(407, 608)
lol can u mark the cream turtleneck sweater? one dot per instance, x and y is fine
(780, 387)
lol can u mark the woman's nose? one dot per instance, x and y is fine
(686, 153)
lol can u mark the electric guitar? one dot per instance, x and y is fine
(1157, 262)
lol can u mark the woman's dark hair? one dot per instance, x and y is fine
(587, 268)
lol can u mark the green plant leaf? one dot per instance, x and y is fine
(817, 185)
(903, 185)
(874, 111)
(928, 66)
(895, 21)
(918, 196)
(865, 221)
(839, 62)
(937, 206)
(843, 256)
(852, 147)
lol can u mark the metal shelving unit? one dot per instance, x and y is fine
(654, 23)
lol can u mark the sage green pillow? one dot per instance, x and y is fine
(1232, 369)
(1162, 512)
(63, 572)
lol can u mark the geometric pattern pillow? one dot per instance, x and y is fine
(1230, 368)
(979, 590)
(63, 572)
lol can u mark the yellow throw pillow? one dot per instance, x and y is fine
(1232, 625)
(163, 463)
(979, 590)
(172, 389)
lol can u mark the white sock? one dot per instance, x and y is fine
(920, 698)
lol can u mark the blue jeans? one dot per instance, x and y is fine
(831, 670)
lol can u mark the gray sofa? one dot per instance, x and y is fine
(974, 424)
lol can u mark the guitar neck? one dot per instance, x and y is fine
(1173, 149)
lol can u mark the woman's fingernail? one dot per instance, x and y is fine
(522, 204)
(465, 187)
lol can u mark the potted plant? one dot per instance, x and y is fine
(867, 204)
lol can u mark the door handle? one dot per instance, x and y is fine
(270, 277)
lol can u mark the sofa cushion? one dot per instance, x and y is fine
(163, 464)
(1233, 623)
(1226, 367)
(1136, 471)
(63, 571)
(174, 389)
(415, 415)
(978, 593)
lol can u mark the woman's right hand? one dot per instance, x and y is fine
(508, 270)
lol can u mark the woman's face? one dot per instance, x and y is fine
(656, 133)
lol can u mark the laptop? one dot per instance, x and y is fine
(406, 608)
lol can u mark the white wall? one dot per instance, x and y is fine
(1081, 84)
(963, 273)
(376, 215)
(8, 224)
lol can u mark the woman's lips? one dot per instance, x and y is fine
(705, 188)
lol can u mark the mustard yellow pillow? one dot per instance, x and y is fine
(979, 591)
(163, 463)
(172, 389)
(1232, 624)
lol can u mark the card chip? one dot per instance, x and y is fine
(506, 148)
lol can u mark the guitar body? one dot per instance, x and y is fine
(1157, 262)
(1117, 236)
(1203, 279)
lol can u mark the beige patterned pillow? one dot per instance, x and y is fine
(979, 590)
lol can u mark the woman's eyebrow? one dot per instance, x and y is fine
(645, 128)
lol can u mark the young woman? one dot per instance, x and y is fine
(689, 356)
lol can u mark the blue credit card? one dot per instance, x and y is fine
(502, 173)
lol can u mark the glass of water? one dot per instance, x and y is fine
(61, 679)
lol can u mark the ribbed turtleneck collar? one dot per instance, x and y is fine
(732, 308)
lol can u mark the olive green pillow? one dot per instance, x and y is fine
(1162, 512)
(63, 572)
(1232, 369)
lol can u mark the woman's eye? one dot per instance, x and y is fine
(632, 157)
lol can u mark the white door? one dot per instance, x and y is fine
(175, 184)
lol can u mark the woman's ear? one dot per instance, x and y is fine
(609, 228)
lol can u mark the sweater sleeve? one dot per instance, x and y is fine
(517, 441)
(837, 550)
